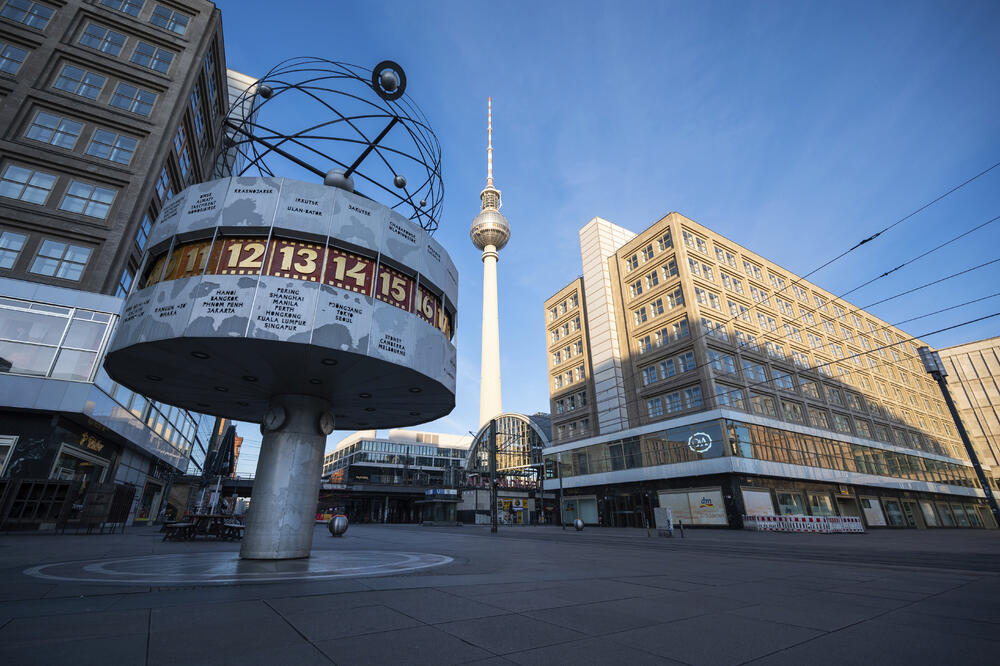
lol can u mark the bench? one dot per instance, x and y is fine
(178, 531)
(231, 531)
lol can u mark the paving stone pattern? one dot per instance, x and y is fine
(532, 595)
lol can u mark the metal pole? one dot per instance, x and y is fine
(494, 519)
(943, 383)
(559, 471)
(934, 366)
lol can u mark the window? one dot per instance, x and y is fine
(818, 419)
(649, 375)
(656, 307)
(52, 129)
(645, 344)
(636, 288)
(151, 57)
(80, 82)
(673, 401)
(631, 263)
(800, 294)
(111, 146)
(707, 298)
(26, 185)
(725, 257)
(103, 39)
(839, 312)
(11, 58)
(665, 242)
(739, 310)
(834, 396)
(91, 200)
(754, 372)
(553, 313)
(694, 242)
(32, 14)
(828, 327)
(133, 99)
(721, 362)
(210, 75)
(837, 350)
(793, 332)
(777, 281)
(800, 359)
(60, 260)
(164, 190)
(685, 362)
(557, 358)
(647, 253)
(640, 316)
(729, 397)
(747, 340)
(679, 329)
(667, 368)
(714, 329)
(675, 299)
(173, 21)
(767, 323)
(654, 406)
(130, 7)
(670, 268)
(809, 388)
(752, 270)
(692, 397)
(760, 296)
(762, 404)
(842, 423)
(792, 411)
(820, 303)
(124, 282)
(10, 247)
(557, 381)
(783, 380)
(731, 283)
(864, 429)
(652, 279)
(784, 307)
(807, 317)
(847, 335)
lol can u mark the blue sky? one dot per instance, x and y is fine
(796, 129)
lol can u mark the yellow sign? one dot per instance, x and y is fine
(90, 442)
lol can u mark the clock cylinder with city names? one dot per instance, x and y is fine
(254, 287)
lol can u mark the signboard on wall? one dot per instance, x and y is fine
(758, 502)
(696, 507)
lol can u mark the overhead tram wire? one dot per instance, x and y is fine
(786, 337)
(887, 346)
(799, 280)
(809, 309)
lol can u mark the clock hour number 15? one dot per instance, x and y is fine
(394, 288)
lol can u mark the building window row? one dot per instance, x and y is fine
(573, 429)
(112, 43)
(675, 401)
(63, 132)
(34, 186)
(571, 402)
(567, 352)
(556, 311)
(648, 253)
(668, 368)
(569, 377)
(89, 85)
(694, 241)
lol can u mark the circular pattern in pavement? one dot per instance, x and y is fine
(228, 568)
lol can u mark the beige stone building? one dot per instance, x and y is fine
(974, 381)
(686, 368)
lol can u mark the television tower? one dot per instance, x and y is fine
(490, 233)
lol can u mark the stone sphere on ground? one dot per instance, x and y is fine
(578, 524)
(337, 525)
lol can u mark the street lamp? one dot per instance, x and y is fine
(934, 366)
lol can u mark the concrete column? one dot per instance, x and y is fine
(286, 487)
(489, 378)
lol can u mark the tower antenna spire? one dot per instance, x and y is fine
(489, 147)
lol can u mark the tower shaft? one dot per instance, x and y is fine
(489, 378)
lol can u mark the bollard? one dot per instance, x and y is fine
(578, 524)
(337, 525)
(680, 524)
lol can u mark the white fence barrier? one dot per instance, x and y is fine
(810, 524)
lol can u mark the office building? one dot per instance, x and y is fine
(974, 381)
(108, 108)
(689, 372)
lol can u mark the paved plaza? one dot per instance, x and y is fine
(395, 594)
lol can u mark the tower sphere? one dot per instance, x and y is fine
(490, 227)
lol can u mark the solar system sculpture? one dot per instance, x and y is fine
(302, 306)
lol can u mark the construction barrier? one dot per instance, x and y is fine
(804, 524)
